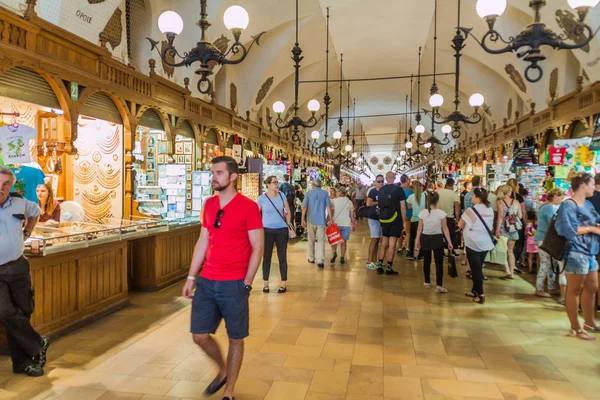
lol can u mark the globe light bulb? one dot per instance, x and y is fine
(314, 105)
(348, 148)
(337, 135)
(583, 3)
(278, 107)
(427, 145)
(315, 135)
(408, 145)
(436, 100)
(330, 149)
(476, 100)
(354, 155)
(419, 129)
(170, 22)
(398, 158)
(491, 8)
(402, 153)
(236, 17)
(446, 129)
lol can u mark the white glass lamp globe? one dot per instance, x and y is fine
(399, 158)
(427, 145)
(436, 100)
(491, 8)
(330, 149)
(354, 155)
(348, 148)
(583, 3)
(446, 129)
(419, 129)
(278, 107)
(314, 105)
(402, 153)
(408, 145)
(315, 135)
(170, 22)
(236, 17)
(476, 100)
(337, 135)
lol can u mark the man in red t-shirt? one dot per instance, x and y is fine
(231, 247)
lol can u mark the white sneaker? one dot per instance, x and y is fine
(427, 285)
(440, 289)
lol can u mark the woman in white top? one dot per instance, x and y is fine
(508, 225)
(432, 222)
(343, 216)
(476, 223)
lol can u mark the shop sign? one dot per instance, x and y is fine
(595, 145)
(556, 156)
(524, 156)
(74, 91)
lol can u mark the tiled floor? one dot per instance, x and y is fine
(339, 333)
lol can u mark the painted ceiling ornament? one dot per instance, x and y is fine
(233, 96)
(113, 30)
(222, 43)
(374, 160)
(516, 77)
(553, 83)
(170, 57)
(509, 109)
(585, 75)
(380, 167)
(387, 160)
(264, 89)
(569, 24)
(96, 1)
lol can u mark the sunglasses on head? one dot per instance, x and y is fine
(218, 220)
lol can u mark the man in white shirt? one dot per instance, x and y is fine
(450, 203)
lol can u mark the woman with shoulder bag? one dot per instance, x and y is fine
(577, 221)
(475, 224)
(430, 238)
(508, 225)
(343, 216)
(276, 218)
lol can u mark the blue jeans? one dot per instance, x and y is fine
(580, 264)
(375, 228)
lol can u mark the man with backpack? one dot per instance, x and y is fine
(392, 213)
(290, 195)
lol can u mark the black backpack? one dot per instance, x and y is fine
(386, 207)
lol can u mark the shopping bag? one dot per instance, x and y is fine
(334, 236)
(452, 272)
(499, 255)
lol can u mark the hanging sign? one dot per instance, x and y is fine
(74, 91)
(556, 156)
(523, 156)
(595, 145)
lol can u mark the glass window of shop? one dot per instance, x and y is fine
(98, 165)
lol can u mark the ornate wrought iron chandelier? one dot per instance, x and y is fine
(313, 105)
(206, 53)
(451, 122)
(535, 35)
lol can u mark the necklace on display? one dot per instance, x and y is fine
(84, 172)
(96, 197)
(109, 179)
(109, 144)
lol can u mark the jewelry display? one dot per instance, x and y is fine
(96, 197)
(109, 143)
(84, 172)
(109, 177)
(97, 157)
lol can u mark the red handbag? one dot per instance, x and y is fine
(334, 236)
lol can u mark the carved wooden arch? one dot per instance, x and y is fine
(163, 117)
(118, 101)
(545, 135)
(568, 128)
(195, 128)
(206, 129)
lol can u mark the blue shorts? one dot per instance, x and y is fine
(580, 264)
(375, 228)
(345, 231)
(217, 300)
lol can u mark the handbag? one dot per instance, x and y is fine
(334, 236)
(555, 245)
(499, 254)
(452, 271)
(291, 229)
(494, 240)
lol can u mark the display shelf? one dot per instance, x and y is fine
(250, 186)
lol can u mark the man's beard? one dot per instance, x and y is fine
(219, 188)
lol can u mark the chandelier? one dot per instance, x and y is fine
(206, 53)
(451, 122)
(313, 105)
(535, 35)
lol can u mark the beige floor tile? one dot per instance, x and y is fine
(316, 363)
(338, 350)
(555, 390)
(312, 337)
(81, 393)
(515, 392)
(368, 354)
(428, 371)
(266, 373)
(457, 388)
(287, 390)
(291, 350)
(120, 396)
(365, 381)
(158, 387)
(492, 376)
(399, 355)
(327, 382)
(322, 396)
(342, 365)
(402, 388)
(585, 380)
(152, 371)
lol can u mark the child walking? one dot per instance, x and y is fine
(532, 249)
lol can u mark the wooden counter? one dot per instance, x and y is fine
(157, 261)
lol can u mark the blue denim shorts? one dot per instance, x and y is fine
(217, 300)
(375, 228)
(580, 264)
(345, 231)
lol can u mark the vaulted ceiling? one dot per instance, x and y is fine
(377, 39)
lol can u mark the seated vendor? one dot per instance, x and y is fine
(50, 208)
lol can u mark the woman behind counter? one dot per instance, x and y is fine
(50, 208)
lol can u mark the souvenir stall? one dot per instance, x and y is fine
(250, 182)
(572, 155)
(210, 150)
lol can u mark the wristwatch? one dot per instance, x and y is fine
(247, 288)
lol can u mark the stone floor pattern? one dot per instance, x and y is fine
(339, 333)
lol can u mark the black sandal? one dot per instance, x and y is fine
(282, 289)
(471, 294)
(479, 299)
(266, 289)
(469, 274)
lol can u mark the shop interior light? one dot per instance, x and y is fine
(419, 129)
(490, 8)
(348, 148)
(402, 153)
(337, 135)
(170, 22)
(315, 135)
(436, 100)
(575, 4)
(427, 145)
(313, 106)
(330, 149)
(354, 155)
(476, 100)
(278, 107)
(408, 145)
(446, 129)
(236, 17)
